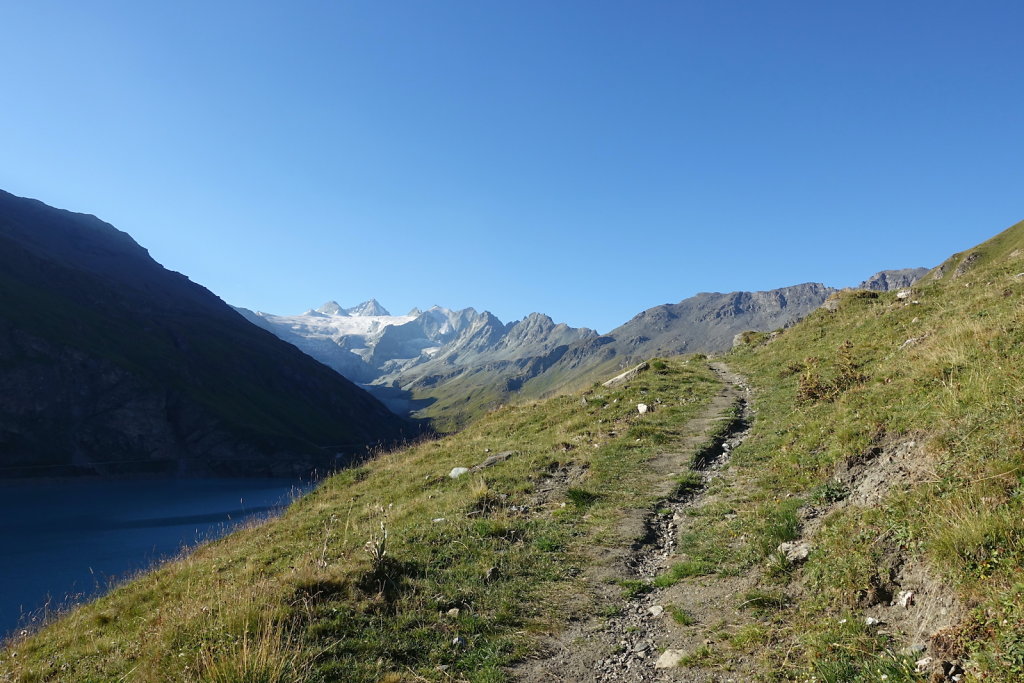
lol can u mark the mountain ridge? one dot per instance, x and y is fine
(146, 372)
(427, 366)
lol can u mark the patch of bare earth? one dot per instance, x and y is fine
(906, 599)
(615, 636)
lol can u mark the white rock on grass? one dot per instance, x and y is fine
(642, 408)
(458, 472)
(795, 551)
(669, 659)
(656, 611)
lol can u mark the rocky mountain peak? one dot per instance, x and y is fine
(331, 308)
(367, 308)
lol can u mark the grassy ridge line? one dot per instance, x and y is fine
(943, 368)
(458, 402)
(393, 570)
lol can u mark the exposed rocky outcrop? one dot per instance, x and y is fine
(710, 321)
(888, 280)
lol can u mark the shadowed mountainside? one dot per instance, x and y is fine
(114, 365)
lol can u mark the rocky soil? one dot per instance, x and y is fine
(633, 637)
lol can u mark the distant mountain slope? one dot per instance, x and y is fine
(112, 364)
(888, 280)
(709, 321)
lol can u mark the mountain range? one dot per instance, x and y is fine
(839, 500)
(114, 365)
(449, 366)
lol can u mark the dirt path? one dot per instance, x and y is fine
(631, 638)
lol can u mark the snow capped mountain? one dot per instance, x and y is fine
(398, 352)
(341, 338)
(371, 308)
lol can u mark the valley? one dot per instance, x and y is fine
(833, 494)
(511, 342)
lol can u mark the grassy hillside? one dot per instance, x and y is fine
(459, 401)
(889, 436)
(394, 569)
(887, 451)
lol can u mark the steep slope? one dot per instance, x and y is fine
(396, 570)
(887, 452)
(864, 522)
(112, 364)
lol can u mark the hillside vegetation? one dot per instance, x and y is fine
(868, 526)
(393, 568)
(889, 435)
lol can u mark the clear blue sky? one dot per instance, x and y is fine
(587, 159)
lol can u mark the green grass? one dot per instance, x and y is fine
(683, 570)
(681, 616)
(581, 498)
(945, 369)
(357, 580)
(946, 372)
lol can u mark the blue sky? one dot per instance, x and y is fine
(587, 159)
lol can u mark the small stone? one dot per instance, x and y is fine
(453, 612)
(924, 664)
(871, 621)
(438, 520)
(795, 551)
(493, 460)
(458, 472)
(656, 611)
(642, 408)
(669, 659)
(906, 599)
(903, 294)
